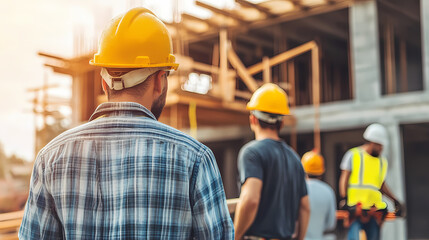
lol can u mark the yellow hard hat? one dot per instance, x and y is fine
(269, 98)
(136, 39)
(313, 163)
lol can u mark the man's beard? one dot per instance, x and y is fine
(375, 153)
(158, 104)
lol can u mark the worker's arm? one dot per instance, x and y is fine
(346, 169)
(398, 206)
(304, 217)
(40, 220)
(344, 182)
(247, 208)
(386, 191)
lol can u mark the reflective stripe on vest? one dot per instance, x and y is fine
(366, 178)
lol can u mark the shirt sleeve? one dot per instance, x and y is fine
(40, 220)
(346, 163)
(303, 190)
(211, 219)
(249, 165)
(331, 218)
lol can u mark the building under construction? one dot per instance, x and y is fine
(344, 64)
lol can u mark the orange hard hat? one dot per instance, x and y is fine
(313, 163)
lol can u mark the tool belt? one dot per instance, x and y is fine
(364, 215)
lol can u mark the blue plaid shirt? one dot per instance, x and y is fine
(124, 175)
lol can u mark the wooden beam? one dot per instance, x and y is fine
(223, 53)
(267, 70)
(315, 72)
(389, 60)
(59, 69)
(202, 48)
(292, 101)
(293, 15)
(403, 63)
(325, 27)
(262, 9)
(205, 68)
(11, 216)
(251, 83)
(205, 101)
(184, 27)
(298, 3)
(221, 11)
(283, 57)
(400, 10)
(207, 21)
(215, 56)
(243, 94)
(51, 56)
(255, 40)
(215, 61)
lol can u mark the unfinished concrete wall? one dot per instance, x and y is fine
(364, 48)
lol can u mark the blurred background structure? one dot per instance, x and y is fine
(344, 64)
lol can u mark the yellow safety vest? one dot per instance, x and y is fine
(366, 178)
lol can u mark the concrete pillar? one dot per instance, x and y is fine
(365, 51)
(395, 179)
(424, 19)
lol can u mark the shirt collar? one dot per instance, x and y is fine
(121, 109)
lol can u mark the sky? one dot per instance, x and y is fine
(32, 26)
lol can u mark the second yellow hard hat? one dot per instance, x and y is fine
(269, 98)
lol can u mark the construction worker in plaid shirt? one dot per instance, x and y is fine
(124, 175)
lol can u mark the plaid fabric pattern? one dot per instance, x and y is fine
(125, 176)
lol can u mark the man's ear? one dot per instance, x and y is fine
(158, 82)
(104, 85)
(253, 119)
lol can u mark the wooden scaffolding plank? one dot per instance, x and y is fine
(389, 43)
(235, 61)
(315, 67)
(267, 70)
(283, 57)
(262, 9)
(403, 63)
(221, 12)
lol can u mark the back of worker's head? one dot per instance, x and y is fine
(313, 163)
(377, 138)
(268, 105)
(134, 48)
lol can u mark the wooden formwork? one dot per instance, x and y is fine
(227, 70)
(9, 225)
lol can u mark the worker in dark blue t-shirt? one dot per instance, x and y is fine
(273, 188)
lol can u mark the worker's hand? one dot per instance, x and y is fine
(342, 205)
(399, 210)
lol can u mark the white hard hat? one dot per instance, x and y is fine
(376, 133)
